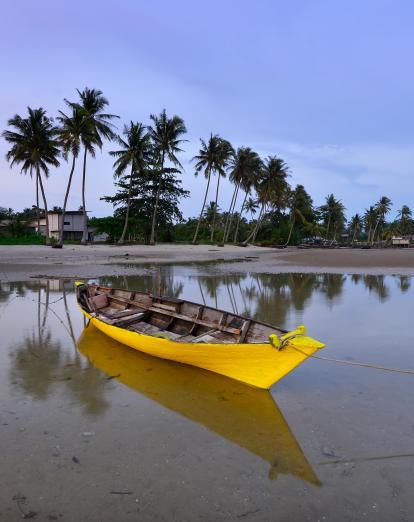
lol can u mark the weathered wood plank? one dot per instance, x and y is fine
(201, 322)
(199, 316)
(164, 306)
(244, 330)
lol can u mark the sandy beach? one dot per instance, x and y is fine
(24, 262)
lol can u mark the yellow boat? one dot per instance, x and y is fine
(249, 351)
(243, 415)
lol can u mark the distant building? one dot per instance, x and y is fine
(72, 227)
(400, 241)
(5, 223)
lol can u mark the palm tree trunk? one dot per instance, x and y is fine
(121, 239)
(259, 224)
(355, 234)
(45, 206)
(334, 234)
(85, 217)
(37, 203)
(62, 224)
(327, 229)
(254, 231)
(291, 230)
(202, 208)
(230, 218)
(157, 198)
(375, 230)
(215, 208)
(236, 232)
(225, 234)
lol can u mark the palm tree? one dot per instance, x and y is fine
(166, 136)
(301, 206)
(328, 210)
(382, 208)
(93, 103)
(134, 153)
(245, 165)
(74, 129)
(272, 189)
(251, 206)
(208, 160)
(224, 154)
(356, 226)
(209, 212)
(34, 147)
(405, 220)
(370, 217)
(333, 213)
(248, 182)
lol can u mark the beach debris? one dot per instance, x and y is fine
(247, 513)
(75, 460)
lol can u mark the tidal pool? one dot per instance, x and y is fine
(92, 430)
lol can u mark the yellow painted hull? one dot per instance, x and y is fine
(245, 416)
(259, 365)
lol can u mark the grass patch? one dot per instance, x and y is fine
(30, 239)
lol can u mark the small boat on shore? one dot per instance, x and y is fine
(249, 351)
(245, 416)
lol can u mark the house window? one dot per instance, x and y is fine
(66, 223)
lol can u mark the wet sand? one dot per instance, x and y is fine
(94, 431)
(23, 262)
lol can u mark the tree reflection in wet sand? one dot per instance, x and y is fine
(41, 365)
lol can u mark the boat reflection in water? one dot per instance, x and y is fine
(246, 416)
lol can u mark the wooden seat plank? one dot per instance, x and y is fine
(201, 322)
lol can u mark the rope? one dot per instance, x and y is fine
(355, 363)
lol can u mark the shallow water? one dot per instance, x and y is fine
(91, 430)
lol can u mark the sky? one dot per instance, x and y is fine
(326, 85)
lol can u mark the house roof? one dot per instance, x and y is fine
(67, 212)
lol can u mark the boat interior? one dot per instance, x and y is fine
(170, 318)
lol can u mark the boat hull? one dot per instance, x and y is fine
(243, 415)
(259, 364)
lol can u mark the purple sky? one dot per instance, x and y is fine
(327, 85)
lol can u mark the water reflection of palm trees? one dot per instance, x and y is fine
(271, 297)
(267, 297)
(243, 415)
(36, 361)
(41, 364)
(376, 284)
(154, 281)
(404, 283)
